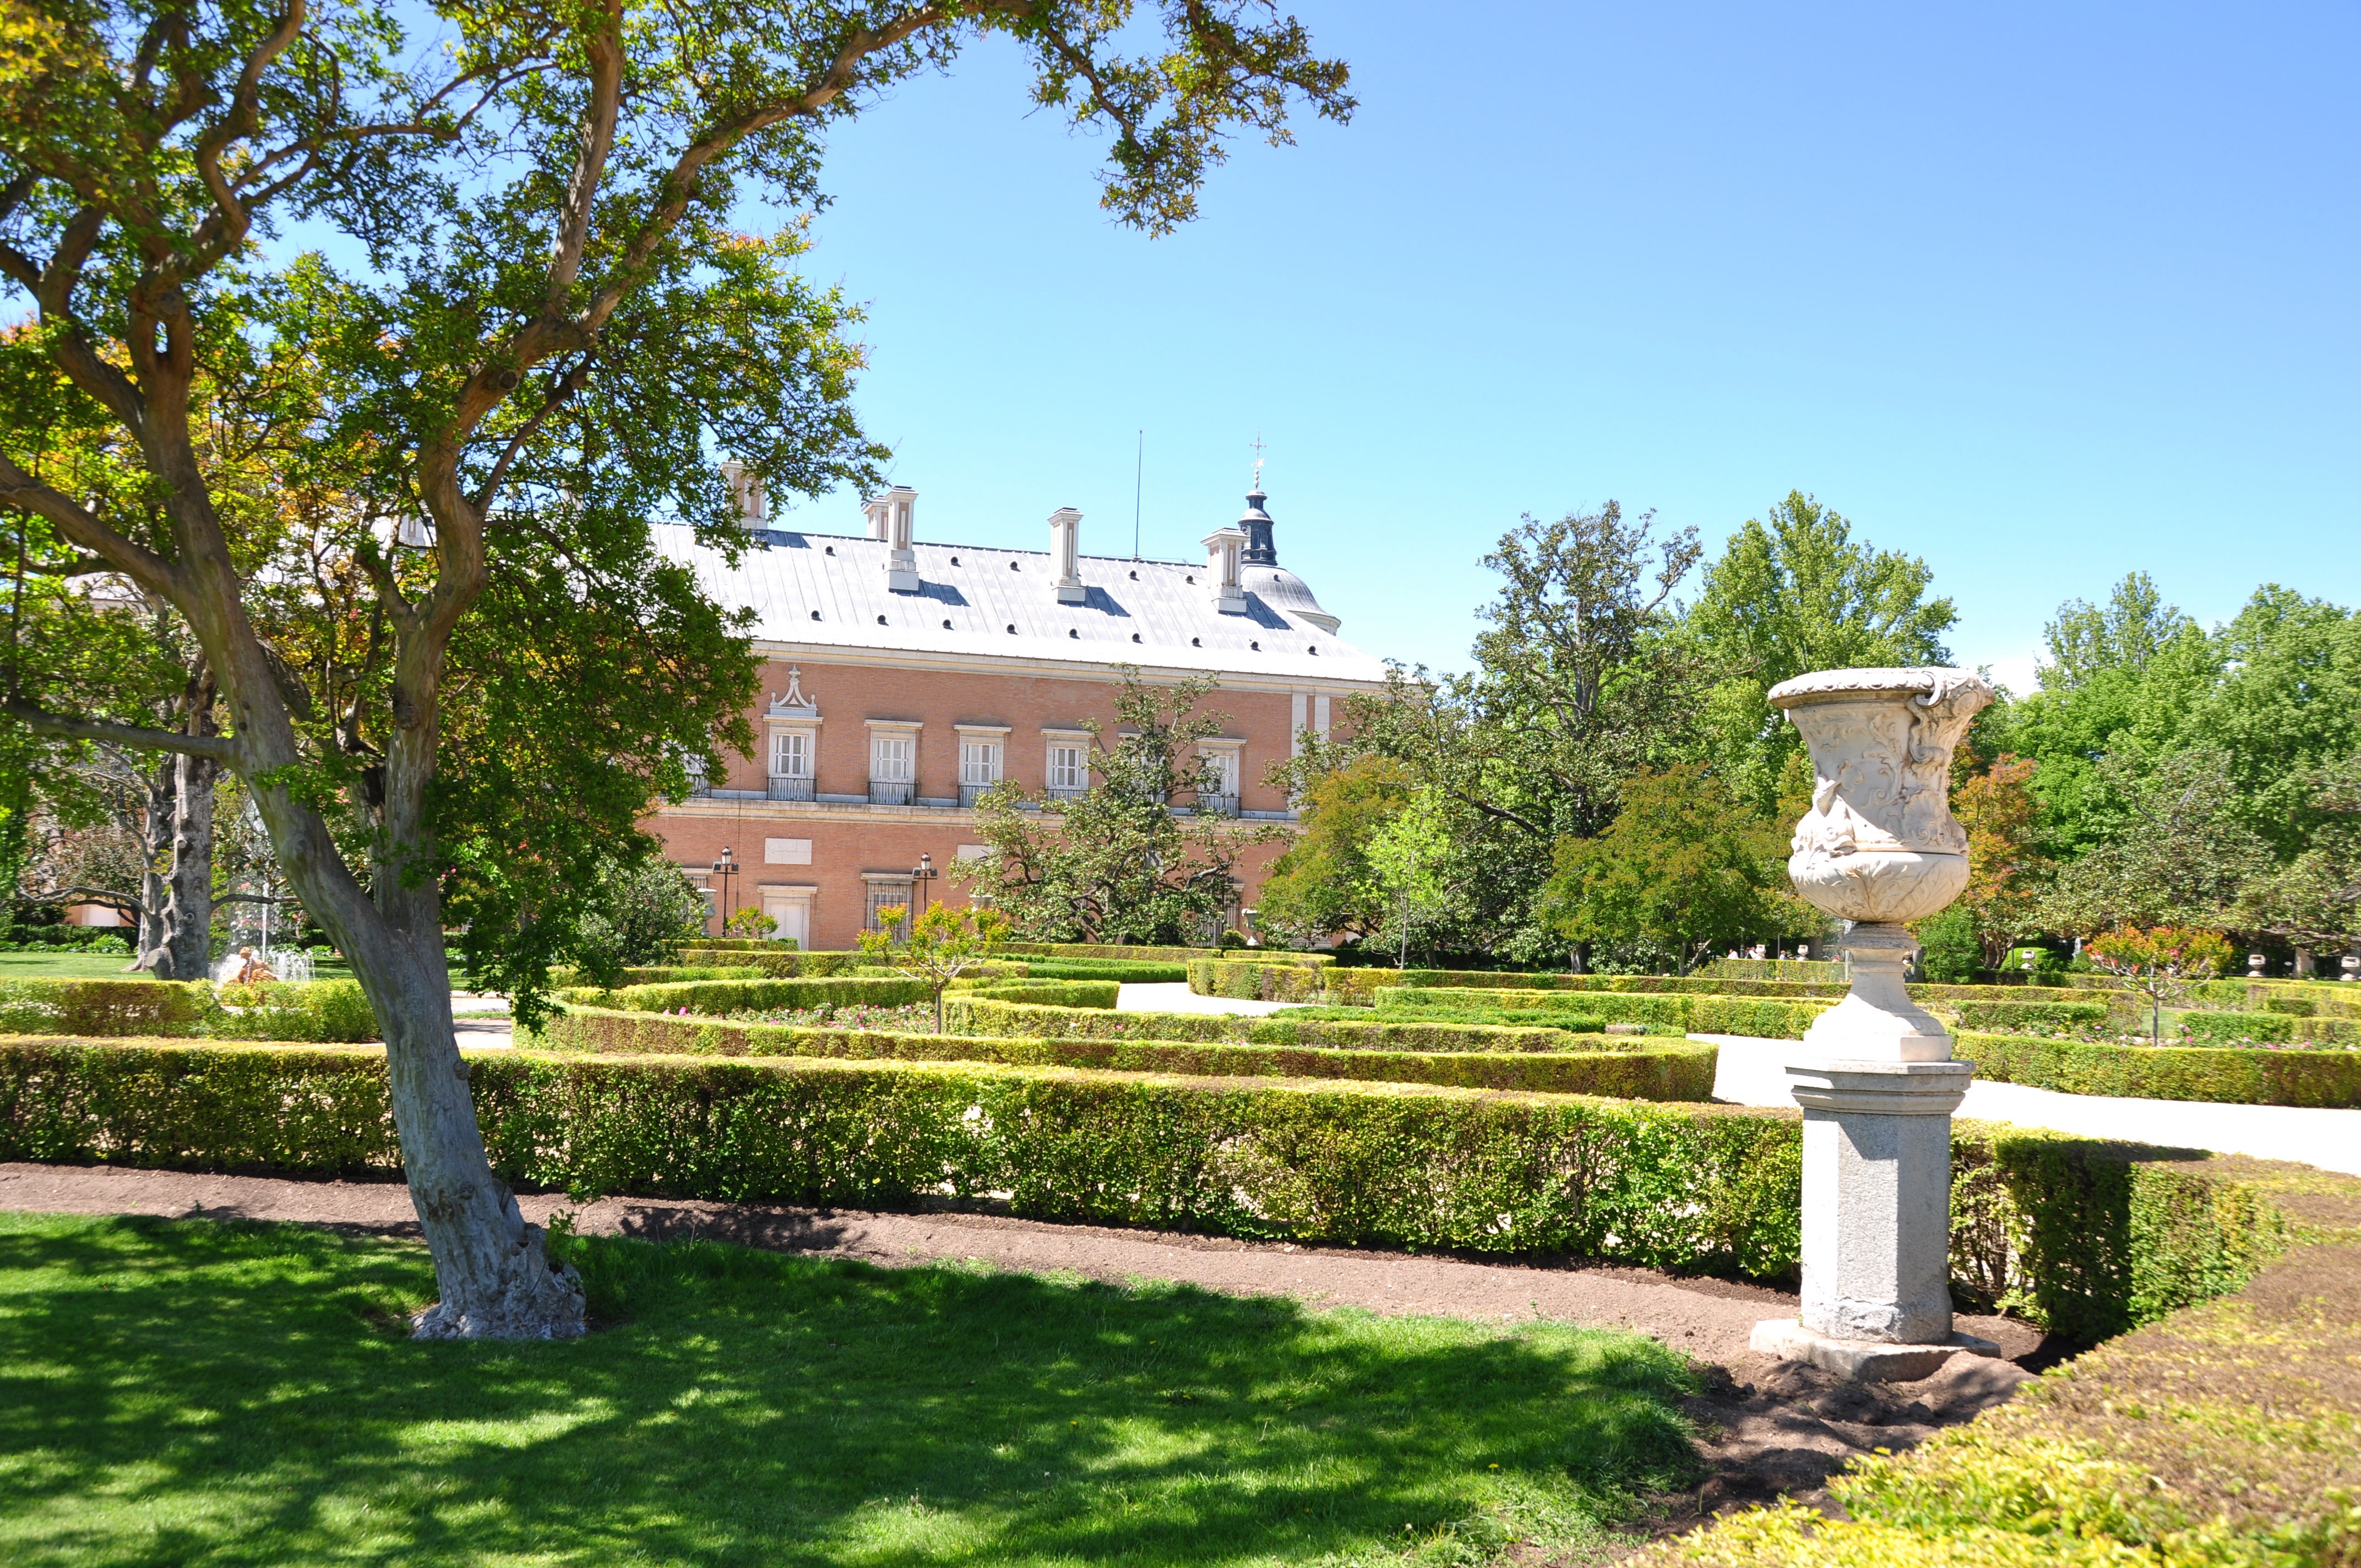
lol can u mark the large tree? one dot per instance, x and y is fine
(559, 324)
(1794, 591)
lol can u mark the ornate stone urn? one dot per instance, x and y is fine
(1878, 848)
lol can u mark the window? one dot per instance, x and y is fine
(791, 751)
(1069, 767)
(889, 758)
(885, 894)
(979, 763)
(1222, 764)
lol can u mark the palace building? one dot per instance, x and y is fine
(903, 679)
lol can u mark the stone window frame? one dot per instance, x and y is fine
(1075, 742)
(995, 737)
(889, 729)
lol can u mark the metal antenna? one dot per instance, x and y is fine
(1138, 473)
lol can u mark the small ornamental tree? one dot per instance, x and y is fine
(940, 946)
(1411, 874)
(2159, 962)
(750, 923)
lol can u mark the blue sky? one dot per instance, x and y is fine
(2043, 294)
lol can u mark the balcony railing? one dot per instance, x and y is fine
(970, 794)
(1217, 804)
(1067, 792)
(882, 793)
(785, 788)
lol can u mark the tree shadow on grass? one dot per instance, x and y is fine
(230, 1394)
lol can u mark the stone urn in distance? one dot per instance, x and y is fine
(1880, 846)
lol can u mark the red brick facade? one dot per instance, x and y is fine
(813, 863)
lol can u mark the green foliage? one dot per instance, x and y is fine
(717, 996)
(1792, 595)
(2159, 963)
(1691, 1013)
(2271, 1025)
(1415, 877)
(2007, 1013)
(1129, 953)
(1950, 951)
(326, 1010)
(1323, 884)
(106, 1007)
(637, 914)
(1686, 865)
(1115, 865)
(775, 959)
(1126, 971)
(999, 1015)
(2223, 1075)
(1098, 995)
(750, 922)
(939, 946)
(1666, 1070)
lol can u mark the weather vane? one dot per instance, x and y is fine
(1257, 452)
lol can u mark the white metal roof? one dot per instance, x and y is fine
(830, 590)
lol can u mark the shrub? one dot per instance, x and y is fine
(325, 1011)
(1091, 993)
(1265, 981)
(1129, 972)
(2270, 1027)
(1823, 970)
(1615, 1007)
(2082, 1237)
(2222, 1074)
(1003, 1017)
(106, 1007)
(1072, 951)
(1666, 1070)
(772, 958)
(1762, 1018)
(2013, 1014)
(713, 996)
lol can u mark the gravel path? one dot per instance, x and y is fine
(1174, 996)
(1749, 1074)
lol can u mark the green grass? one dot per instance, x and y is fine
(190, 1392)
(64, 965)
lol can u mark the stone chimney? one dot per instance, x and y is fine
(746, 495)
(1066, 546)
(1223, 548)
(890, 521)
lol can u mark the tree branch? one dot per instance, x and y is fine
(142, 566)
(64, 727)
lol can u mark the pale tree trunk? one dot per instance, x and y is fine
(189, 900)
(155, 837)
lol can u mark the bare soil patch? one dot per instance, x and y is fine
(1765, 1429)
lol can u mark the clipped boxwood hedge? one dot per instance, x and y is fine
(323, 1010)
(1763, 1018)
(708, 996)
(1670, 1071)
(1126, 970)
(990, 1016)
(2228, 1075)
(773, 960)
(1116, 951)
(2082, 1237)
(2223, 1435)
(2270, 1027)
(1096, 994)
(2013, 1014)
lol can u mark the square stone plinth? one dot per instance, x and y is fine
(1862, 1360)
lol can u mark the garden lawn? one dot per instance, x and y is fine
(212, 1393)
(69, 966)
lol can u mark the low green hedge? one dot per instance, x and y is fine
(106, 1007)
(1011, 1017)
(1098, 994)
(1763, 1017)
(2030, 1014)
(1083, 950)
(2220, 1074)
(324, 1010)
(1818, 970)
(2084, 1238)
(2221, 1435)
(2302, 998)
(1668, 1070)
(1126, 970)
(2270, 1027)
(771, 959)
(712, 996)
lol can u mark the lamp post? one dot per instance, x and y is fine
(725, 868)
(920, 876)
